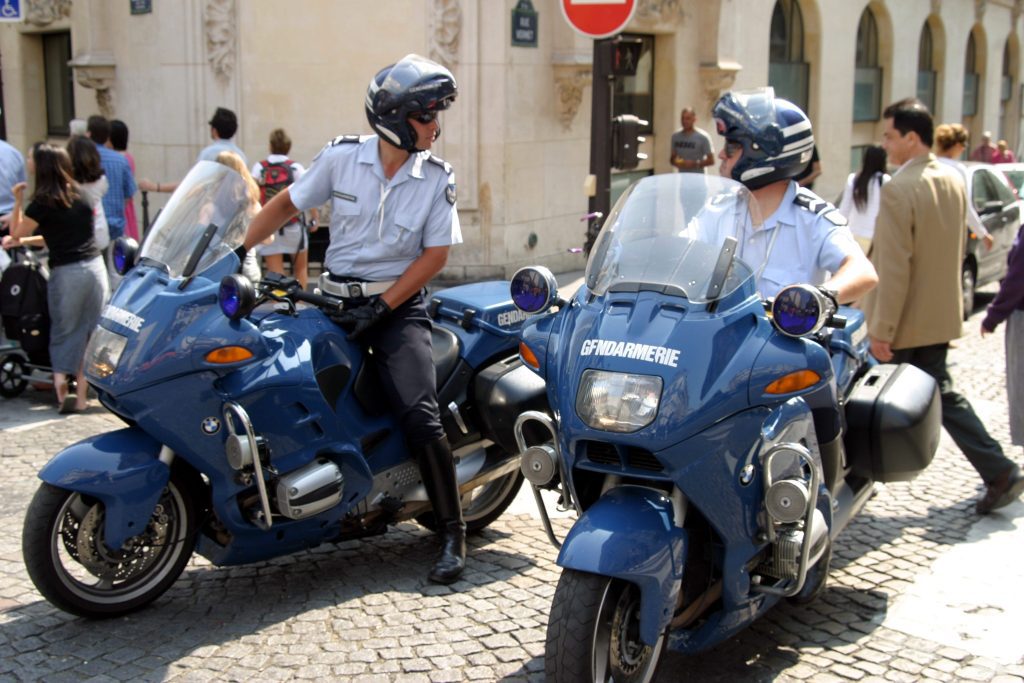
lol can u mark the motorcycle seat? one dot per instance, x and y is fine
(444, 349)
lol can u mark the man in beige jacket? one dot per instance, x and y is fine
(916, 309)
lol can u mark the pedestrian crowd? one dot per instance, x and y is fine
(94, 170)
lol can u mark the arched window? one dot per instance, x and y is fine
(788, 73)
(926, 76)
(1005, 93)
(867, 86)
(971, 79)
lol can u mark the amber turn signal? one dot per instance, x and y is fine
(528, 356)
(794, 381)
(228, 354)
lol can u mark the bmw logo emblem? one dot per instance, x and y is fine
(211, 425)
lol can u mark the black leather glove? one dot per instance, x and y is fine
(240, 252)
(356, 321)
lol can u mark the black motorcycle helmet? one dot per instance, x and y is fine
(776, 135)
(411, 85)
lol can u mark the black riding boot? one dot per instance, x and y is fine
(438, 471)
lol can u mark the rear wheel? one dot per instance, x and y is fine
(13, 376)
(484, 504)
(73, 568)
(593, 632)
(968, 284)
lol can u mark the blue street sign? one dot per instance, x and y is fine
(11, 10)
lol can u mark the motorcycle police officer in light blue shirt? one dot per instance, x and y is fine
(393, 220)
(769, 141)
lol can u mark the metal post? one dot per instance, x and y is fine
(145, 214)
(600, 136)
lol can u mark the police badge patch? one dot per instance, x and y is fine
(450, 193)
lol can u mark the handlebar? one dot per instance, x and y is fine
(329, 304)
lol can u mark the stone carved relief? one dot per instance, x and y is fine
(663, 11)
(219, 24)
(936, 6)
(97, 71)
(45, 12)
(570, 82)
(979, 9)
(716, 79)
(445, 30)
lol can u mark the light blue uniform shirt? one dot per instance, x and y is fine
(808, 239)
(379, 227)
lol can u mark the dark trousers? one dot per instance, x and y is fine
(402, 351)
(958, 418)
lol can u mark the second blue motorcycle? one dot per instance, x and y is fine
(713, 444)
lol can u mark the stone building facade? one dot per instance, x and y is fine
(519, 134)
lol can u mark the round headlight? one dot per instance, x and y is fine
(124, 253)
(533, 289)
(236, 297)
(799, 310)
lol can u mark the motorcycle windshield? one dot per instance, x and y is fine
(674, 232)
(204, 219)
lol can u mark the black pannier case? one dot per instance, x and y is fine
(893, 420)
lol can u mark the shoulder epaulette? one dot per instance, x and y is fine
(438, 161)
(808, 201)
(343, 139)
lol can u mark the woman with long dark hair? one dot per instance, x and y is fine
(92, 183)
(860, 199)
(78, 279)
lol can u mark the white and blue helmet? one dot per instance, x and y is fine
(775, 134)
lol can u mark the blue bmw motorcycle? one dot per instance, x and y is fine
(254, 428)
(712, 444)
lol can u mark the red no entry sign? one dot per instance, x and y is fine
(598, 18)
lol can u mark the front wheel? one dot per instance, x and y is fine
(593, 633)
(968, 284)
(73, 568)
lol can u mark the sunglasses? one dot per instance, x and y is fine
(424, 116)
(731, 147)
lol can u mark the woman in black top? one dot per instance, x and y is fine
(78, 280)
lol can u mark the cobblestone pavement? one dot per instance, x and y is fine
(363, 610)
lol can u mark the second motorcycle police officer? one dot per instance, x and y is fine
(393, 219)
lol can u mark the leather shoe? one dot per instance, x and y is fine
(1002, 491)
(452, 558)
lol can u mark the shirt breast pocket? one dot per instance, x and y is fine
(406, 235)
(346, 211)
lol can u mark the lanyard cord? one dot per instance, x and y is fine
(385, 190)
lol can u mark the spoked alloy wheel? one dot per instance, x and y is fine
(484, 504)
(968, 285)
(593, 632)
(13, 376)
(73, 568)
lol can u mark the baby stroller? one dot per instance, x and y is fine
(25, 355)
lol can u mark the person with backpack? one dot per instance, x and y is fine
(274, 174)
(78, 284)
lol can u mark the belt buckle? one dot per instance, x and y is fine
(355, 290)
